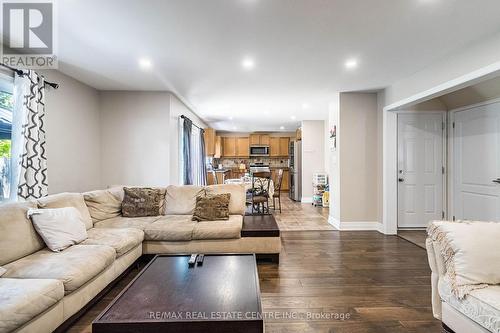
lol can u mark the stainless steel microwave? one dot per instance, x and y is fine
(259, 151)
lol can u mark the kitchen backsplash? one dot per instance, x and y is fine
(235, 162)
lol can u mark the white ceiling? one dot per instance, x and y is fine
(299, 47)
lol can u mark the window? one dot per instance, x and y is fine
(6, 110)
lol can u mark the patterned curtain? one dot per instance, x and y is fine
(29, 161)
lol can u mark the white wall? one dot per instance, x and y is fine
(73, 135)
(136, 136)
(470, 58)
(358, 157)
(313, 159)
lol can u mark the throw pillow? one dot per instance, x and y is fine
(102, 205)
(59, 227)
(2, 271)
(212, 207)
(142, 201)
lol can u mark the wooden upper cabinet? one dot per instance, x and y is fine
(284, 143)
(229, 146)
(259, 139)
(243, 147)
(254, 139)
(278, 146)
(274, 147)
(218, 147)
(209, 141)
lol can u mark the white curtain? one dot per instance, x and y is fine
(29, 162)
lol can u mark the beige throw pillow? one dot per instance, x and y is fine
(59, 227)
(142, 201)
(212, 207)
(471, 253)
(103, 204)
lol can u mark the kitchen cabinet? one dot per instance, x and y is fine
(209, 141)
(278, 146)
(274, 147)
(259, 139)
(284, 143)
(242, 147)
(218, 147)
(229, 146)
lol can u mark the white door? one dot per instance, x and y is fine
(420, 168)
(476, 163)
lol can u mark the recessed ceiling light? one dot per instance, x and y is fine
(305, 106)
(351, 64)
(282, 127)
(248, 63)
(145, 63)
(293, 117)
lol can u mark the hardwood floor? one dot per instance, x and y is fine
(416, 237)
(377, 283)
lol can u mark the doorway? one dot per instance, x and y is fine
(421, 168)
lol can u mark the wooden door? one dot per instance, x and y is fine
(218, 147)
(209, 141)
(285, 182)
(242, 147)
(264, 140)
(229, 146)
(254, 139)
(274, 147)
(283, 146)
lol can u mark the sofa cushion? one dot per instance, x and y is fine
(122, 240)
(127, 222)
(481, 305)
(170, 228)
(62, 200)
(468, 249)
(74, 266)
(181, 200)
(230, 229)
(143, 201)
(59, 227)
(212, 207)
(23, 299)
(16, 226)
(103, 204)
(238, 196)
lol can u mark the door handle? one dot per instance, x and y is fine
(402, 180)
(496, 180)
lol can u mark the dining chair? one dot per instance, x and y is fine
(260, 192)
(214, 176)
(277, 189)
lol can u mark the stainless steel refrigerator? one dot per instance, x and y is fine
(295, 162)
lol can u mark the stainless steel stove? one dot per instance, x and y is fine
(259, 167)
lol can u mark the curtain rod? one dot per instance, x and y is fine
(21, 73)
(200, 128)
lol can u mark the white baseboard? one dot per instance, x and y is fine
(355, 226)
(306, 200)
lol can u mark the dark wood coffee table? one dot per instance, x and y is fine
(222, 295)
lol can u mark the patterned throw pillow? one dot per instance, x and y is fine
(212, 207)
(142, 201)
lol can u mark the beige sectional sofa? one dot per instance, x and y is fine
(42, 289)
(454, 249)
